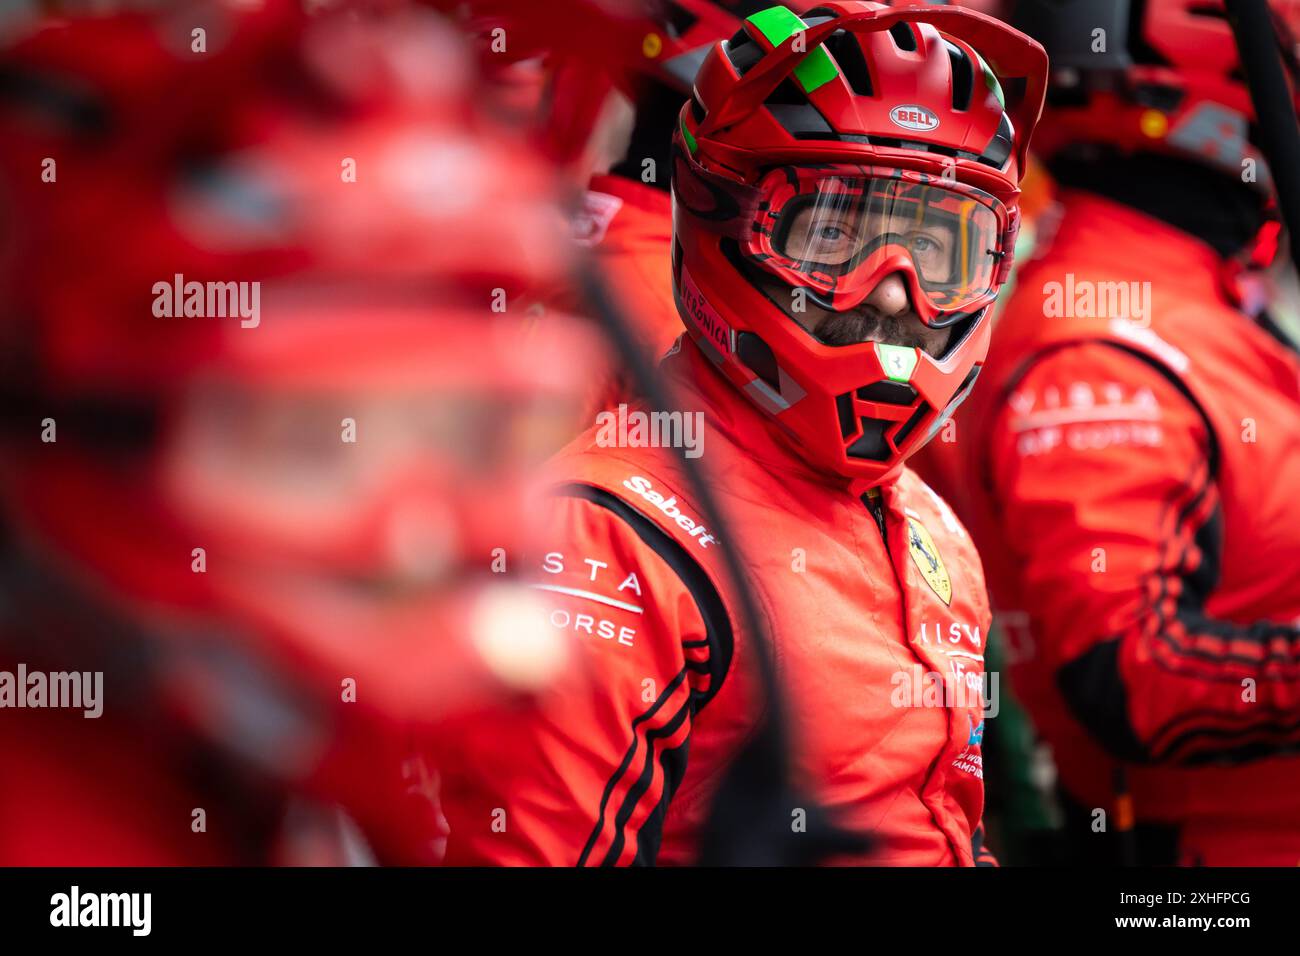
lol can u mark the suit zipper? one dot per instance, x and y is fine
(871, 498)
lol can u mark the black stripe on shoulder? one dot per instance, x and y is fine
(1228, 746)
(650, 833)
(720, 641)
(719, 637)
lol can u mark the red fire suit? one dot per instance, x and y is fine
(1131, 477)
(628, 226)
(874, 600)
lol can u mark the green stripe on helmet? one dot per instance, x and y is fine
(691, 144)
(816, 71)
(991, 81)
(778, 24)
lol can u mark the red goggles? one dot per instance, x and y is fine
(837, 231)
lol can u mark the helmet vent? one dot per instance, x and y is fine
(998, 151)
(802, 122)
(743, 52)
(963, 76)
(895, 143)
(844, 408)
(697, 108)
(757, 354)
(790, 107)
(787, 94)
(909, 426)
(843, 46)
(871, 445)
(887, 393)
(679, 19)
(903, 36)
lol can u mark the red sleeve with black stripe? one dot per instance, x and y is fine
(1103, 468)
(584, 777)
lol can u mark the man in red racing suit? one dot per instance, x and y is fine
(1130, 457)
(869, 588)
(1135, 501)
(633, 576)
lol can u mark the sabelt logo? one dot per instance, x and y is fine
(668, 506)
(914, 117)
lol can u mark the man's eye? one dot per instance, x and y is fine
(924, 244)
(831, 233)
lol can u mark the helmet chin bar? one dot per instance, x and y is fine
(866, 437)
(882, 439)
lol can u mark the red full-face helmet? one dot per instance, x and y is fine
(819, 157)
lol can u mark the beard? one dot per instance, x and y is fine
(852, 328)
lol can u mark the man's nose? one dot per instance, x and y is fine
(889, 297)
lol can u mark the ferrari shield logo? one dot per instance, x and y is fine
(927, 560)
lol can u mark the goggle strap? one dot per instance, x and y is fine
(1008, 254)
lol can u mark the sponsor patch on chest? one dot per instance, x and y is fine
(926, 557)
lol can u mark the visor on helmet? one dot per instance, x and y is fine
(838, 231)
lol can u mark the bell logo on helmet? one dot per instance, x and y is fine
(914, 117)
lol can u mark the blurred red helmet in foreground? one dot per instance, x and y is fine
(262, 302)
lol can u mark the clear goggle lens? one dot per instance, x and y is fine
(837, 231)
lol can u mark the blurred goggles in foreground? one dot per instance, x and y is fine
(839, 230)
